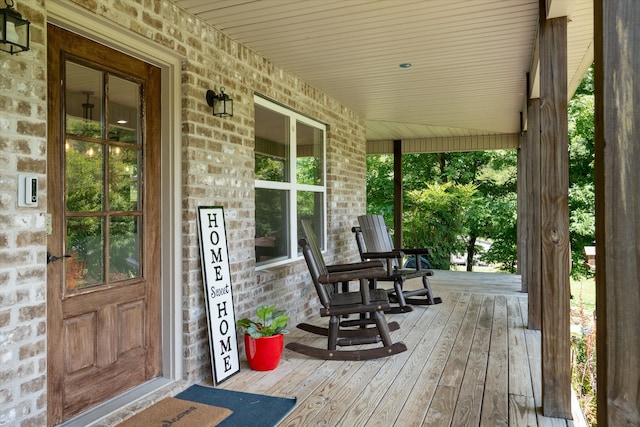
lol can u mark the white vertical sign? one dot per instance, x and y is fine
(216, 277)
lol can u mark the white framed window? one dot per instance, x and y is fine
(290, 173)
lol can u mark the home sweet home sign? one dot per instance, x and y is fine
(216, 277)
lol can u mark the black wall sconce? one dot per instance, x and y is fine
(14, 30)
(221, 103)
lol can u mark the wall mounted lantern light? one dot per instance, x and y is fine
(221, 103)
(14, 30)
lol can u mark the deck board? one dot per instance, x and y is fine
(470, 361)
(495, 410)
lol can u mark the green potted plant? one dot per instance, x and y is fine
(264, 337)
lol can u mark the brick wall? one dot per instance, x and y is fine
(217, 165)
(22, 230)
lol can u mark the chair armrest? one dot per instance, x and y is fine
(416, 251)
(354, 266)
(383, 255)
(348, 276)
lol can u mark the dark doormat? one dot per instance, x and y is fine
(249, 410)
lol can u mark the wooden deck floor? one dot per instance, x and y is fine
(471, 362)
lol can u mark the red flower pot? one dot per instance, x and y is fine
(263, 354)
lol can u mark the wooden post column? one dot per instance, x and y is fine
(534, 251)
(397, 193)
(522, 237)
(554, 210)
(617, 179)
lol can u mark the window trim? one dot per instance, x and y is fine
(293, 187)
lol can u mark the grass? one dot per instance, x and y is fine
(584, 290)
(476, 268)
(583, 345)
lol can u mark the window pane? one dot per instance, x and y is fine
(310, 208)
(272, 235)
(272, 145)
(123, 179)
(84, 182)
(85, 244)
(83, 101)
(309, 152)
(124, 248)
(123, 110)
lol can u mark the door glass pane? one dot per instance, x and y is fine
(84, 176)
(103, 158)
(85, 245)
(272, 236)
(123, 110)
(123, 178)
(310, 208)
(124, 248)
(309, 153)
(272, 145)
(83, 100)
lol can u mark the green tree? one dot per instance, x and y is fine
(435, 217)
(380, 186)
(581, 172)
(503, 233)
(492, 175)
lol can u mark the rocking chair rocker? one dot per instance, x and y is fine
(335, 305)
(374, 242)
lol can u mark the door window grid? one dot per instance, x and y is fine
(103, 155)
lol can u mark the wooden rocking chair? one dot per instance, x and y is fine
(374, 242)
(370, 303)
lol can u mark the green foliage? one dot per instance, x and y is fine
(269, 168)
(503, 232)
(494, 214)
(586, 85)
(419, 169)
(380, 186)
(437, 203)
(435, 217)
(85, 164)
(308, 171)
(269, 322)
(581, 174)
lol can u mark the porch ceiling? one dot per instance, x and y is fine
(469, 58)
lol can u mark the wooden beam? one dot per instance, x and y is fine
(554, 209)
(617, 179)
(504, 141)
(534, 251)
(522, 258)
(397, 193)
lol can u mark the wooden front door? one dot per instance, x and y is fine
(103, 198)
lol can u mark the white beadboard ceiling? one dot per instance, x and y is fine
(469, 57)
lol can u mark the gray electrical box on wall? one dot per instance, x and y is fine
(27, 190)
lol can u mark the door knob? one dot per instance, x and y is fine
(51, 257)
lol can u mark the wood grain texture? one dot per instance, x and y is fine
(109, 333)
(534, 250)
(495, 409)
(617, 179)
(440, 380)
(554, 206)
